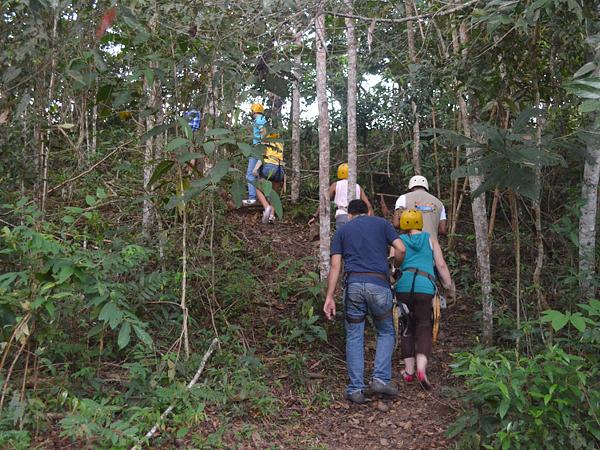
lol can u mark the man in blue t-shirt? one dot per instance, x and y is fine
(363, 243)
(258, 133)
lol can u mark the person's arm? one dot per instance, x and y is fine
(365, 199)
(399, 252)
(332, 280)
(400, 206)
(443, 225)
(440, 264)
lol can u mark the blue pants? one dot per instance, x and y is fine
(360, 299)
(251, 178)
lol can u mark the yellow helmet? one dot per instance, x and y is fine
(411, 219)
(273, 136)
(342, 173)
(257, 108)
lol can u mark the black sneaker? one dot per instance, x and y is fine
(356, 397)
(377, 387)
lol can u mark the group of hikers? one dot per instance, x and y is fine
(389, 275)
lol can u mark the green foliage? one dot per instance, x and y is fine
(550, 400)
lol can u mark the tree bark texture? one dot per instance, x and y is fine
(296, 126)
(151, 87)
(352, 98)
(416, 154)
(589, 211)
(324, 202)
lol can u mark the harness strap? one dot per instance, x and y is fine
(420, 272)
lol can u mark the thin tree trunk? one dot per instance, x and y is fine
(352, 98)
(324, 202)
(478, 207)
(296, 125)
(435, 152)
(45, 142)
(589, 208)
(514, 213)
(416, 155)
(493, 213)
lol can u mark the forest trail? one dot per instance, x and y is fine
(415, 420)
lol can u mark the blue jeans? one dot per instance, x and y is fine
(251, 178)
(360, 299)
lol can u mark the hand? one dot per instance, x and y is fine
(451, 290)
(255, 172)
(329, 308)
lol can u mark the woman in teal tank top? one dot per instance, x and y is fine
(416, 288)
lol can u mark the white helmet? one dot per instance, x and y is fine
(418, 180)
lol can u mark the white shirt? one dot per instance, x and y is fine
(341, 196)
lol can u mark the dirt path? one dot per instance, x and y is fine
(415, 420)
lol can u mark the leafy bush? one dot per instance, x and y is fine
(551, 400)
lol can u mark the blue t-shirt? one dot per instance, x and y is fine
(364, 244)
(259, 124)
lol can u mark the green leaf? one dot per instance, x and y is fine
(154, 132)
(68, 219)
(246, 149)
(559, 320)
(124, 335)
(122, 98)
(209, 147)
(10, 74)
(589, 106)
(217, 132)
(90, 200)
(177, 143)
(160, 169)
(237, 191)
(503, 389)
(101, 193)
(276, 202)
(578, 321)
(181, 433)
(219, 170)
(142, 335)
(187, 130)
(184, 157)
(585, 69)
(503, 408)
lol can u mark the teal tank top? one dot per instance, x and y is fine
(419, 255)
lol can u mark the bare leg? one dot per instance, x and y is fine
(421, 362)
(409, 365)
(262, 199)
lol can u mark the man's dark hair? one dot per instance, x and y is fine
(356, 207)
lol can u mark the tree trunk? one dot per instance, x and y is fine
(152, 89)
(478, 207)
(416, 155)
(589, 208)
(352, 98)
(587, 221)
(296, 126)
(324, 202)
(45, 141)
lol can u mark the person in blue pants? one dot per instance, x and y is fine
(259, 131)
(363, 244)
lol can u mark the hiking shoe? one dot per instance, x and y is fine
(377, 387)
(423, 381)
(356, 397)
(272, 219)
(249, 202)
(266, 214)
(408, 377)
